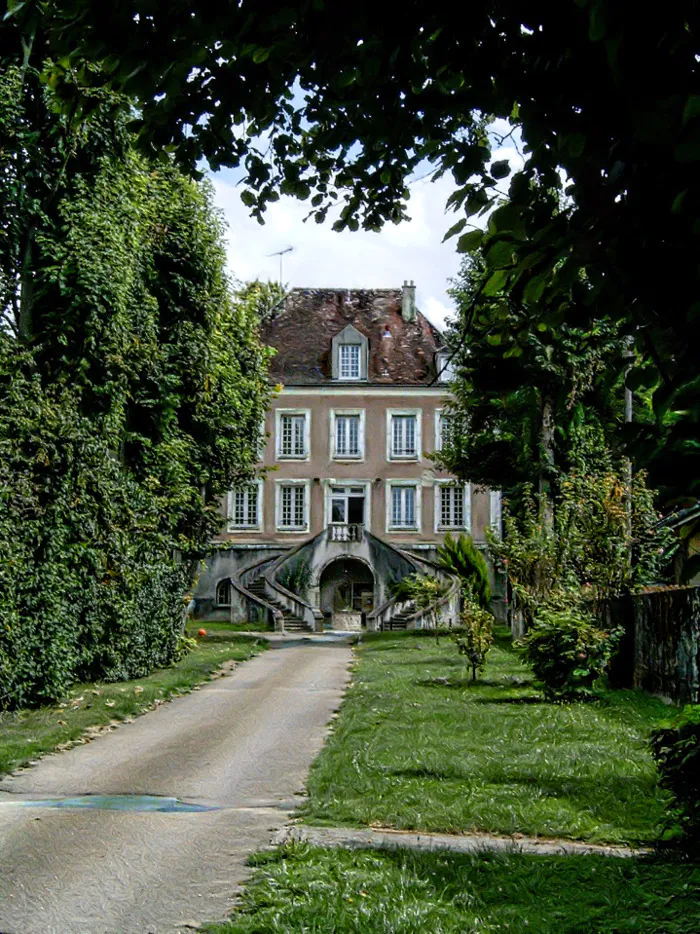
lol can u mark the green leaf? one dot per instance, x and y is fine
(500, 169)
(495, 282)
(535, 288)
(455, 229)
(500, 255)
(469, 242)
(248, 198)
(692, 108)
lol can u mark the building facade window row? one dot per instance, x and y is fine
(347, 434)
(349, 503)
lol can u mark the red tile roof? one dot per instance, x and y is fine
(301, 332)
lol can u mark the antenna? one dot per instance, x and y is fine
(281, 253)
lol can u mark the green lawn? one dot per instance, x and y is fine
(417, 746)
(304, 889)
(26, 734)
(224, 625)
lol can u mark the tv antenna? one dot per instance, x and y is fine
(281, 253)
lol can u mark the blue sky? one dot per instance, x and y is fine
(323, 258)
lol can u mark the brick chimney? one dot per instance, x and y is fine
(408, 301)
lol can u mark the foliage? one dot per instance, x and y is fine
(461, 557)
(603, 111)
(476, 637)
(676, 748)
(132, 388)
(602, 540)
(296, 577)
(524, 395)
(422, 590)
(414, 733)
(265, 297)
(567, 651)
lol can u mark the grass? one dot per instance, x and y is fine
(223, 625)
(304, 889)
(417, 746)
(26, 734)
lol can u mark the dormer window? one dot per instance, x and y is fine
(350, 361)
(349, 355)
(445, 367)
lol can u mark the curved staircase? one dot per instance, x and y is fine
(292, 623)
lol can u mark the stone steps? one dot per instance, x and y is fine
(292, 623)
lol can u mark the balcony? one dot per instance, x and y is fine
(346, 532)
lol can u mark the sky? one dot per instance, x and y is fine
(323, 258)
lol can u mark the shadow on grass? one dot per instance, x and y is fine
(511, 700)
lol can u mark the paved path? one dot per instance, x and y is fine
(453, 843)
(241, 744)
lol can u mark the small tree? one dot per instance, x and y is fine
(476, 638)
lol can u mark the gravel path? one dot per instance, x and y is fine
(241, 746)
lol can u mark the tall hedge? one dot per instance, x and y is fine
(132, 391)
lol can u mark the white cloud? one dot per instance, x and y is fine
(323, 258)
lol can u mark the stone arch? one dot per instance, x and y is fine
(347, 584)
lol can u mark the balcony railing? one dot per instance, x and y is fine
(345, 532)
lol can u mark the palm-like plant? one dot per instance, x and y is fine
(461, 557)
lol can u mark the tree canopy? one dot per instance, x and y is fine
(341, 104)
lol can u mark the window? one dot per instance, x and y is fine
(442, 430)
(348, 435)
(403, 506)
(349, 354)
(452, 506)
(445, 367)
(495, 517)
(404, 436)
(243, 510)
(293, 434)
(349, 361)
(292, 502)
(223, 593)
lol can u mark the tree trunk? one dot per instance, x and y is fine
(546, 471)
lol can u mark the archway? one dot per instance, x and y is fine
(347, 592)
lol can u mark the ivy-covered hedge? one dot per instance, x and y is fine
(132, 391)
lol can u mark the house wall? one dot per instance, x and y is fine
(321, 470)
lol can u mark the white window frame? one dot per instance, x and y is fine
(496, 512)
(306, 413)
(343, 376)
(329, 483)
(335, 414)
(439, 416)
(219, 583)
(292, 530)
(391, 485)
(231, 526)
(444, 364)
(390, 413)
(467, 508)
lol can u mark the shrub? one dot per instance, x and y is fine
(475, 640)
(296, 578)
(568, 653)
(461, 557)
(676, 749)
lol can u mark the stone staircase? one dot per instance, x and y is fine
(400, 621)
(292, 623)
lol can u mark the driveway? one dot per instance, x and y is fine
(239, 748)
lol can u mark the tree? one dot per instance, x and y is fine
(461, 557)
(525, 393)
(349, 103)
(132, 389)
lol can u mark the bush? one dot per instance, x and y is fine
(568, 653)
(475, 640)
(676, 749)
(296, 578)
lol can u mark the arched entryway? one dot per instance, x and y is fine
(347, 592)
